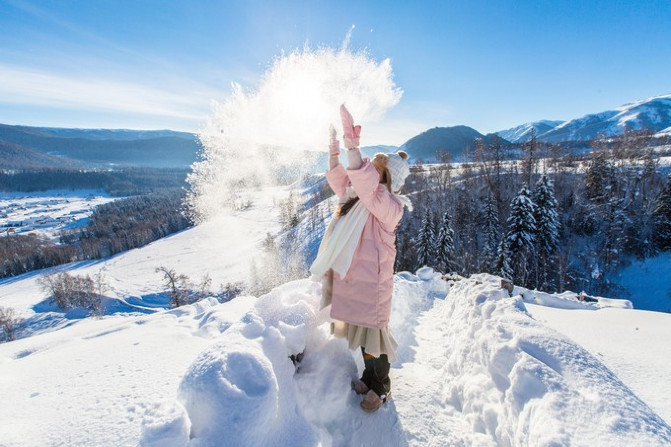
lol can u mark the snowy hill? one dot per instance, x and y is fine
(522, 133)
(653, 114)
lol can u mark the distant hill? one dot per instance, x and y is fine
(107, 134)
(454, 140)
(370, 151)
(13, 156)
(160, 149)
(522, 133)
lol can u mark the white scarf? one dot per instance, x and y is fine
(340, 241)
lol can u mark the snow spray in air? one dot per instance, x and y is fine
(274, 132)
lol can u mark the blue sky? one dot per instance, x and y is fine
(150, 64)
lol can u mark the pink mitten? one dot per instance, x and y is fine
(334, 145)
(350, 131)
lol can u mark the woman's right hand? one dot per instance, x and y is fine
(334, 144)
(350, 131)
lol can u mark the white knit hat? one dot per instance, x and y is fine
(398, 168)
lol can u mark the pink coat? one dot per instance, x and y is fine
(363, 296)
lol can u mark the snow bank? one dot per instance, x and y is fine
(474, 369)
(94, 382)
(247, 381)
(521, 383)
(570, 300)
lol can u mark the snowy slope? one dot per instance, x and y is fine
(632, 344)
(653, 114)
(223, 248)
(474, 369)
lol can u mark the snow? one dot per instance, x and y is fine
(632, 344)
(652, 113)
(224, 248)
(475, 367)
(92, 383)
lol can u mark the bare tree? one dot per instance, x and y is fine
(176, 285)
(70, 291)
(8, 323)
(181, 290)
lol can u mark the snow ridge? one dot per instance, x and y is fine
(476, 369)
(653, 114)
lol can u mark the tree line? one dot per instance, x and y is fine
(547, 221)
(121, 182)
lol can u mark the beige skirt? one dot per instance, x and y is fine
(375, 341)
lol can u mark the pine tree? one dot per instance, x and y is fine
(661, 219)
(405, 259)
(445, 243)
(426, 240)
(598, 178)
(616, 223)
(519, 243)
(503, 267)
(491, 230)
(547, 230)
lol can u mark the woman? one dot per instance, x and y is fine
(356, 256)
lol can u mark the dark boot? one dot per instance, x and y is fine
(376, 373)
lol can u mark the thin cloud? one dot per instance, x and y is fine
(28, 86)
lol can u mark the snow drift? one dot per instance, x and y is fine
(475, 369)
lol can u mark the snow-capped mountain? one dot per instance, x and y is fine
(664, 132)
(522, 133)
(653, 114)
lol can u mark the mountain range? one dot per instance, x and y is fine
(652, 114)
(23, 147)
(522, 133)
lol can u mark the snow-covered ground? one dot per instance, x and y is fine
(476, 366)
(632, 344)
(47, 213)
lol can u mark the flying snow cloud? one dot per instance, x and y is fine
(255, 136)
